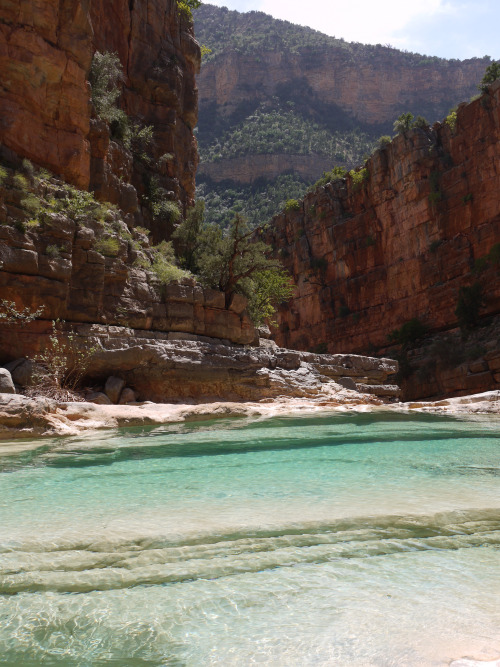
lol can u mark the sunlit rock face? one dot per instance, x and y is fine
(422, 221)
(46, 50)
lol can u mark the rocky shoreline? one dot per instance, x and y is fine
(28, 418)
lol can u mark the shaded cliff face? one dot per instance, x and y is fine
(46, 51)
(422, 221)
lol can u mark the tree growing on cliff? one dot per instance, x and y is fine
(106, 74)
(233, 261)
(492, 74)
(403, 123)
(186, 7)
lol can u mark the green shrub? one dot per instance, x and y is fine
(451, 120)
(108, 246)
(20, 182)
(10, 314)
(384, 141)
(106, 75)
(403, 123)
(492, 74)
(28, 169)
(164, 264)
(358, 177)
(292, 205)
(166, 210)
(31, 204)
(3, 174)
(53, 251)
(334, 174)
(186, 6)
(421, 123)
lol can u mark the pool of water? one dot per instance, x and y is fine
(353, 540)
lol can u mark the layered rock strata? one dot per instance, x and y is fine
(399, 240)
(46, 51)
(257, 60)
(79, 262)
(178, 367)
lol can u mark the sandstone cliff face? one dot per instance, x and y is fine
(46, 49)
(372, 88)
(369, 256)
(80, 263)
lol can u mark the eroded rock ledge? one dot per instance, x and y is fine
(199, 368)
(199, 371)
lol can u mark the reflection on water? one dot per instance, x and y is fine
(334, 540)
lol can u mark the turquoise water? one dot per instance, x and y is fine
(334, 540)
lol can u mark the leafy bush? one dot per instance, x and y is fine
(3, 174)
(384, 141)
(186, 7)
(106, 75)
(334, 174)
(163, 209)
(53, 251)
(108, 246)
(421, 123)
(265, 290)
(492, 74)
(20, 182)
(164, 264)
(359, 177)
(31, 203)
(451, 120)
(403, 123)
(292, 205)
(10, 314)
(61, 366)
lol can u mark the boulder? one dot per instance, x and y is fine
(22, 371)
(128, 395)
(113, 388)
(99, 398)
(6, 384)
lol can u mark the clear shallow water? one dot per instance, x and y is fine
(336, 540)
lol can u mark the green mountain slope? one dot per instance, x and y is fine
(277, 99)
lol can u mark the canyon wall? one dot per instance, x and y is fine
(46, 51)
(372, 85)
(398, 241)
(326, 81)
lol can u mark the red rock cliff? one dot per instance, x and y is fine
(369, 256)
(46, 49)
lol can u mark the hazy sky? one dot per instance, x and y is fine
(447, 28)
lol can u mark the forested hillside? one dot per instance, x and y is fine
(279, 104)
